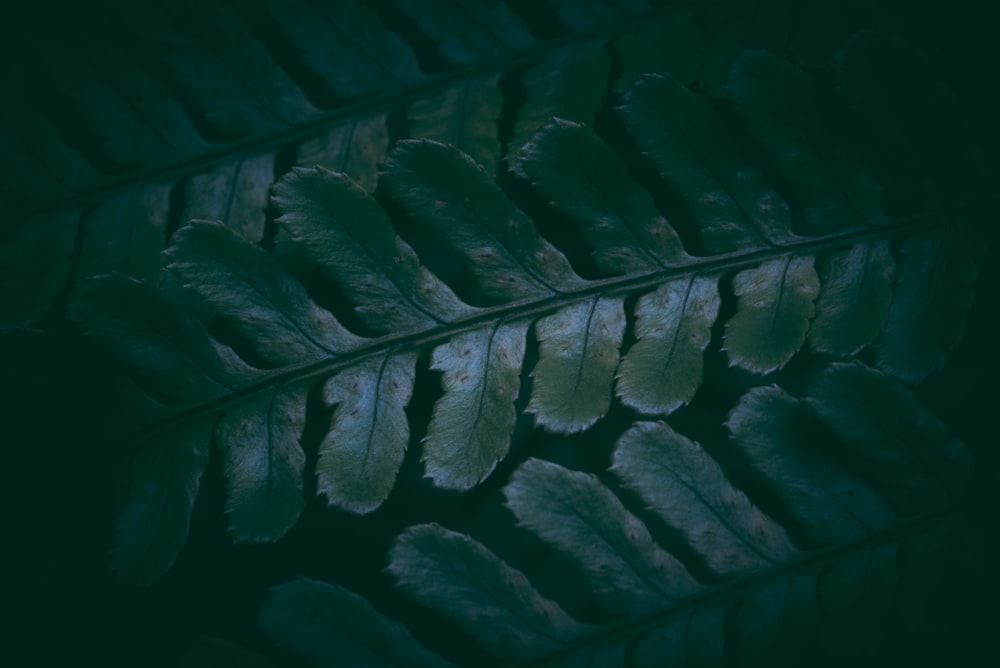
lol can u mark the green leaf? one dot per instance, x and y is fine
(344, 232)
(853, 303)
(777, 435)
(332, 626)
(690, 641)
(153, 526)
(673, 325)
(585, 180)
(458, 204)
(263, 303)
(691, 493)
(775, 303)
(587, 14)
(363, 450)
(354, 149)
(578, 355)
(126, 233)
(785, 110)
(776, 625)
(568, 84)
(331, 34)
(467, 33)
(170, 349)
(464, 116)
(264, 463)
(903, 447)
(489, 600)
(932, 296)
(234, 193)
(626, 571)
(471, 425)
(680, 135)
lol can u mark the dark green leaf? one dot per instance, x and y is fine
(464, 116)
(890, 437)
(786, 112)
(35, 257)
(854, 296)
(234, 193)
(932, 295)
(344, 232)
(489, 600)
(680, 135)
(777, 434)
(152, 528)
(687, 488)
(126, 233)
(670, 45)
(354, 149)
(263, 303)
(335, 627)
(585, 180)
(264, 463)
(580, 517)
(455, 200)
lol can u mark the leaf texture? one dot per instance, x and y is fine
(363, 450)
(325, 331)
(773, 312)
(329, 624)
(466, 582)
(264, 464)
(663, 369)
(470, 427)
(577, 360)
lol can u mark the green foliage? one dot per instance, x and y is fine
(569, 338)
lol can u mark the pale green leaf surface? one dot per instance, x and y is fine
(680, 135)
(854, 296)
(347, 234)
(471, 425)
(664, 367)
(360, 455)
(579, 516)
(234, 193)
(784, 109)
(568, 84)
(126, 233)
(585, 180)
(932, 295)
(777, 434)
(262, 302)
(890, 437)
(153, 526)
(578, 355)
(775, 304)
(332, 626)
(263, 463)
(688, 489)
(355, 149)
(455, 201)
(464, 116)
(496, 604)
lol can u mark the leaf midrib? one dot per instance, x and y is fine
(525, 309)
